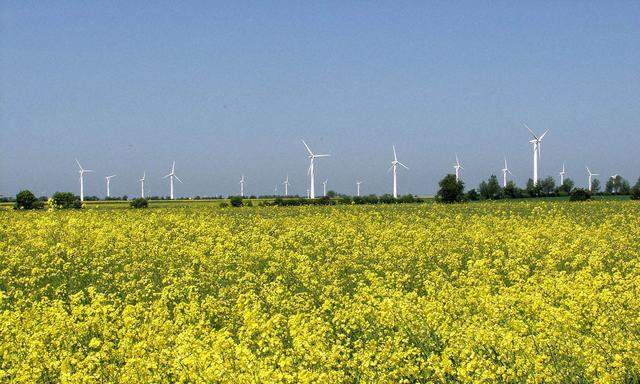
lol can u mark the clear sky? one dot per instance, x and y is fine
(225, 88)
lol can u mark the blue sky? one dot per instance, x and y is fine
(231, 87)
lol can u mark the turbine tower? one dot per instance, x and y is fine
(171, 176)
(394, 168)
(591, 177)
(537, 145)
(82, 172)
(358, 187)
(562, 173)
(144, 174)
(242, 186)
(311, 171)
(108, 179)
(457, 167)
(505, 170)
(286, 185)
(324, 188)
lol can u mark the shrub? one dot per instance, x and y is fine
(345, 200)
(580, 194)
(635, 191)
(235, 201)
(139, 202)
(450, 190)
(473, 195)
(407, 199)
(66, 200)
(223, 204)
(27, 200)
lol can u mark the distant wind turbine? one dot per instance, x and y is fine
(591, 177)
(144, 174)
(324, 188)
(562, 173)
(358, 187)
(311, 171)
(394, 168)
(286, 185)
(171, 176)
(457, 167)
(505, 170)
(537, 148)
(108, 179)
(242, 186)
(82, 172)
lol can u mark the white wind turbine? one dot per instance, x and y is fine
(286, 185)
(613, 179)
(144, 174)
(505, 170)
(82, 171)
(108, 179)
(537, 145)
(394, 168)
(311, 172)
(242, 186)
(591, 177)
(457, 167)
(324, 188)
(562, 173)
(358, 187)
(171, 176)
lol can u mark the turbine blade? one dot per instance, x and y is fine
(77, 162)
(545, 132)
(177, 178)
(390, 168)
(403, 165)
(532, 134)
(164, 177)
(321, 155)
(173, 167)
(394, 154)
(306, 146)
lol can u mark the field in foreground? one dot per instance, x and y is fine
(488, 292)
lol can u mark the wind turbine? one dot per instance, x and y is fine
(614, 178)
(312, 157)
(537, 145)
(590, 177)
(505, 170)
(286, 185)
(394, 168)
(82, 171)
(358, 187)
(242, 186)
(108, 178)
(562, 173)
(144, 174)
(171, 176)
(457, 167)
(324, 188)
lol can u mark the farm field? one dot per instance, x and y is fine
(513, 291)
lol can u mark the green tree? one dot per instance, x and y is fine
(332, 194)
(450, 191)
(25, 199)
(635, 191)
(580, 194)
(235, 201)
(566, 187)
(595, 186)
(547, 186)
(66, 200)
(533, 189)
(511, 190)
(139, 202)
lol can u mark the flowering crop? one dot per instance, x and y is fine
(488, 292)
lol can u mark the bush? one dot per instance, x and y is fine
(345, 200)
(407, 199)
(139, 202)
(235, 201)
(473, 195)
(66, 200)
(580, 194)
(27, 200)
(635, 191)
(224, 204)
(450, 190)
